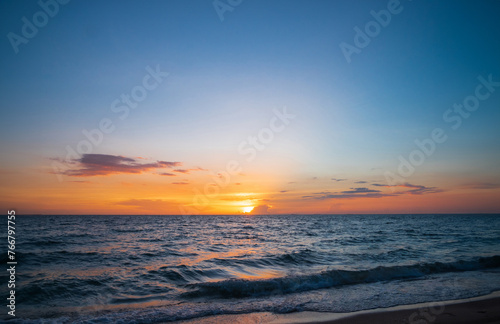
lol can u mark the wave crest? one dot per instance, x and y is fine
(240, 288)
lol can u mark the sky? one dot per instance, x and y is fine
(249, 107)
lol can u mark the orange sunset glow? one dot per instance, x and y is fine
(256, 126)
(196, 192)
(250, 161)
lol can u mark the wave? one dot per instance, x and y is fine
(302, 257)
(131, 300)
(127, 230)
(183, 274)
(240, 288)
(70, 289)
(46, 242)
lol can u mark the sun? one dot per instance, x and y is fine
(248, 209)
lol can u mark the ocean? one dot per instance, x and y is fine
(151, 269)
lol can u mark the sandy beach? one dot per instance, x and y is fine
(482, 311)
(485, 309)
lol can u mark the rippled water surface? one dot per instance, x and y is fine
(161, 268)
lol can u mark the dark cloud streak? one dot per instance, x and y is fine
(363, 192)
(90, 165)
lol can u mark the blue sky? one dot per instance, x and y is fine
(225, 79)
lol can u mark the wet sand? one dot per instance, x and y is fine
(479, 310)
(482, 311)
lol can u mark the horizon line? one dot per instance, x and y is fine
(248, 214)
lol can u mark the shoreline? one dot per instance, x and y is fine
(481, 309)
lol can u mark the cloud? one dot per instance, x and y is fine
(418, 190)
(283, 191)
(90, 165)
(167, 174)
(360, 182)
(336, 179)
(180, 183)
(481, 185)
(359, 190)
(371, 193)
(169, 164)
(261, 209)
(187, 171)
(348, 196)
(413, 189)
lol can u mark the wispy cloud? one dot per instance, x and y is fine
(166, 164)
(180, 183)
(348, 196)
(167, 174)
(187, 171)
(90, 165)
(419, 190)
(261, 209)
(480, 185)
(337, 179)
(413, 189)
(359, 190)
(321, 193)
(363, 192)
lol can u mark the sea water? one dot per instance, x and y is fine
(148, 269)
